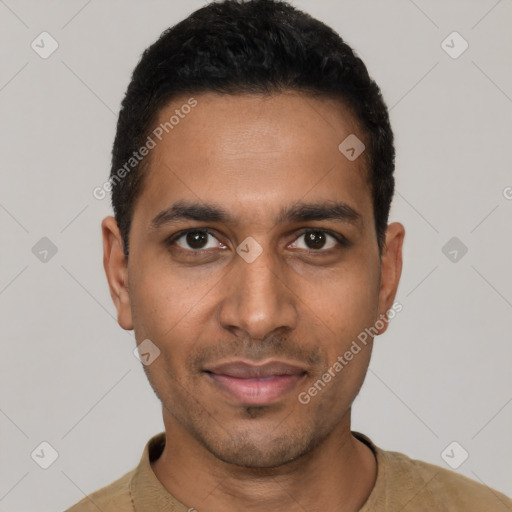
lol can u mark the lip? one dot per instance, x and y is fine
(251, 384)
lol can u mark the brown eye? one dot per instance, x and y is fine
(315, 240)
(197, 240)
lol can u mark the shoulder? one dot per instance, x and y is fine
(113, 497)
(420, 485)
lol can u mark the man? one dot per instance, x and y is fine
(250, 252)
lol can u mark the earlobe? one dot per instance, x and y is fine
(116, 270)
(391, 268)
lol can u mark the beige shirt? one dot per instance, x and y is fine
(402, 485)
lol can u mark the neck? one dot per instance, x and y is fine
(337, 475)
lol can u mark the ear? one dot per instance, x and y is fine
(116, 269)
(391, 268)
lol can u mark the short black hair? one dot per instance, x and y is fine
(249, 47)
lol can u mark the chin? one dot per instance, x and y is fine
(251, 450)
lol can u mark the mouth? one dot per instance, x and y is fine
(250, 384)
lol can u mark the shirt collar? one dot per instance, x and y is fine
(147, 492)
(378, 493)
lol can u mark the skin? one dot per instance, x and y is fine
(254, 155)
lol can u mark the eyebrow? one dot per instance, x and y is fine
(184, 210)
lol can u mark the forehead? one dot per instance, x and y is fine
(253, 152)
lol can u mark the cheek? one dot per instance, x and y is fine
(345, 300)
(166, 300)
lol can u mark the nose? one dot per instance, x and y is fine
(259, 298)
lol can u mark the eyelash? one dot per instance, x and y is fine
(342, 241)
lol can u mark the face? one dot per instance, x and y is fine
(253, 268)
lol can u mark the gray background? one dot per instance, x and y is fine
(67, 373)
